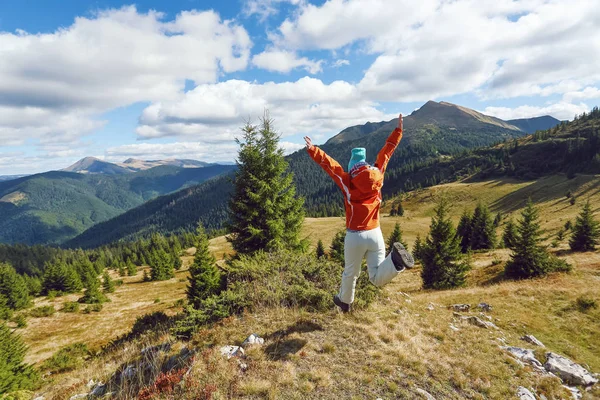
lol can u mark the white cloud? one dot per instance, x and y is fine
(53, 85)
(285, 61)
(340, 63)
(156, 151)
(436, 48)
(589, 93)
(561, 110)
(215, 112)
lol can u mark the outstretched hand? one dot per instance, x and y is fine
(400, 122)
(308, 141)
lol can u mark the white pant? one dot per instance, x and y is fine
(381, 268)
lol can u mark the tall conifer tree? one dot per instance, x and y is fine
(443, 263)
(586, 232)
(205, 277)
(264, 212)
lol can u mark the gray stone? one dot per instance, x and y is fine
(79, 396)
(569, 371)
(473, 320)
(533, 340)
(575, 392)
(430, 307)
(525, 394)
(232, 351)
(98, 390)
(155, 349)
(455, 329)
(253, 340)
(484, 307)
(524, 355)
(425, 394)
(129, 372)
(460, 307)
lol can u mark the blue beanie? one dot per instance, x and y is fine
(359, 154)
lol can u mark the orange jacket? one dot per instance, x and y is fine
(362, 190)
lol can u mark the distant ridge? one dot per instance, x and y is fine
(92, 165)
(531, 125)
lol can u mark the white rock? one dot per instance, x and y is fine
(569, 371)
(460, 307)
(40, 398)
(424, 394)
(473, 320)
(524, 355)
(533, 340)
(253, 340)
(575, 392)
(525, 394)
(484, 307)
(79, 396)
(232, 351)
(455, 329)
(98, 390)
(430, 307)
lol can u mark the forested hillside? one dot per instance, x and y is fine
(55, 206)
(435, 131)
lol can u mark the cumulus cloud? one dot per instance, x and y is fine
(560, 110)
(215, 112)
(436, 48)
(285, 61)
(53, 85)
(340, 63)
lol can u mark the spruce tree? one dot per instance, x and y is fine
(161, 268)
(418, 248)
(122, 270)
(586, 232)
(509, 236)
(205, 277)
(13, 288)
(131, 269)
(320, 251)
(14, 373)
(336, 250)
(396, 236)
(530, 258)
(400, 209)
(483, 231)
(60, 277)
(92, 293)
(464, 231)
(264, 211)
(443, 263)
(108, 285)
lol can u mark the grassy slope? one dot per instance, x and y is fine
(394, 346)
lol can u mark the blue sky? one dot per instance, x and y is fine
(177, 79)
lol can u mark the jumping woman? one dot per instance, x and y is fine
(361, 187)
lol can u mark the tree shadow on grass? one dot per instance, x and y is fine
(282, 348)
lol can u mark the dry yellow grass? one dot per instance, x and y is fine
(395, 346)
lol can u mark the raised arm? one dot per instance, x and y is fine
(329, 165)
(390, 145)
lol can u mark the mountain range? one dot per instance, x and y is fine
(52, 207)
(92, 165)
(434, 132)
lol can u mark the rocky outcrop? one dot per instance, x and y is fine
(569, 371)
(460, 307)
(524, 355)
(525, 394)
(532, 340)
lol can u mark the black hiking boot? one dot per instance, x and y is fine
(343, 306)
(401, 257)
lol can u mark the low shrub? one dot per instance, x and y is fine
(585, 303)
(148, 322)
(70, 307)
(67, 358)
(277, 279)
(43, 311)
(20, 320)
(92, 308)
